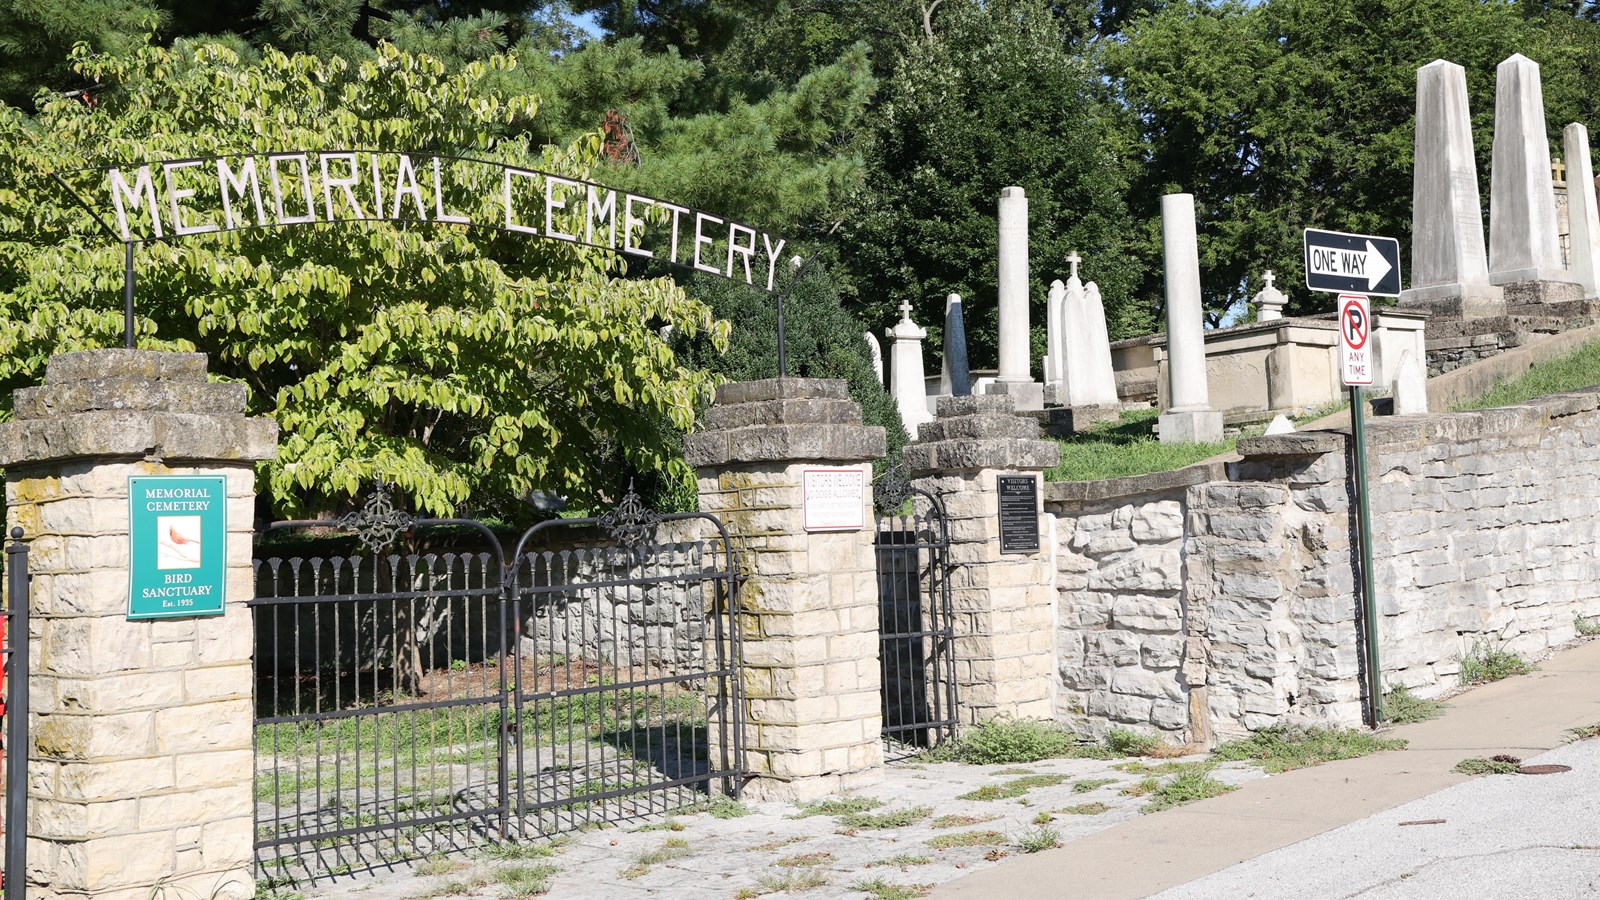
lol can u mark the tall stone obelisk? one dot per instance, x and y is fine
(1189, 418)
(1524, 245)
(1583, 219)
(955, 377)
(1449, 265)
(1014, 378)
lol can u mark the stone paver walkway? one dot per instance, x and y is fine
(772, 853)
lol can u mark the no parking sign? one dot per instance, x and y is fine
(1355, 339)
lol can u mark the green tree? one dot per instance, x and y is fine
(1294, 113)
(995, 99)
(467, 367)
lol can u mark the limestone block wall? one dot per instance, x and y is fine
(1486, 526)
(1210, 602)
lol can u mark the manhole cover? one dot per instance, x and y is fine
(1544, 770)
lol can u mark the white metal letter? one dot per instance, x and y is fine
(122, 197)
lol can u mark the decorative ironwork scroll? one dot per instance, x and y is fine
(632, 523)
(378, 523)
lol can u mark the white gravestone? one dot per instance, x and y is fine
(1054, 332)
(1449, 264)
(1583, 218)
(875, 350)
(1269, 301)
(1189, 418)
(1523, 243)
(1087, 372)
(1410, 389)
(909, 387)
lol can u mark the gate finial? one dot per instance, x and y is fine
(631, 523)
(378, 522)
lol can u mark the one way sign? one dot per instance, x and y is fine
(1358, 263)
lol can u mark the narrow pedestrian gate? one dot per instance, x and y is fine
(914, 617)
(417, 702)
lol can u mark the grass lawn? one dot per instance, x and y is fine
(1127, 447)
(1579, 369)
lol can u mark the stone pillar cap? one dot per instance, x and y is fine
(784, 419)
(982, 431)
(133, 403)
(782, 389)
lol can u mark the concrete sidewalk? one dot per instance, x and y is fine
(1521, 716)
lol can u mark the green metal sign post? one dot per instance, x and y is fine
(177, 545)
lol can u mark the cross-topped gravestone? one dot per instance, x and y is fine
(1072, 260)
(1270, 301)
(1558, 171)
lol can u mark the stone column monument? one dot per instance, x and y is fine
(1002, 597)
(1524, 249)
(1190, 419)
(811, 674)
(1583, 217)
(910, 387)
(1015, 379)
(142, 768)
(955, 378)
(1449, 266)
(1269, 301)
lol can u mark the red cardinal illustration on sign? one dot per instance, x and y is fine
(179, 539)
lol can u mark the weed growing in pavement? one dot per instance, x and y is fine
(902, 861)
(1016, 787)
(1086, 809)
(1488, 661)
(769, 846)
(1196, 784)
(1124, 742)
(512, 852)
(894, 818)
(437, 864)
(960, 821)
(1139, 767)
(1401, 707)
(673, 848)
(1042, 838)
(1586, 627)
(525, 881)
(722, 808)
(837, 807)
(1043, 818)
(1477, 765)
(1282, 747)
(1140, 788)
(1010, 741)
(805, 860)
(1583, 733)
(879, 889)
(670, 824)
(794, 881)
(966, 839)
(1091, 784)
(1012, 771)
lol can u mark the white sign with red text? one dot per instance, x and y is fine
(835, 499)
(1355, 340)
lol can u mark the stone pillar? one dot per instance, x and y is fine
(1449, 266)
(1003, 602)
(909, 387)
(1015, 378)
(810, 675)
(141, 770)
(1190, 419)
(1524, 250)
(875, 351)
(1583, 217)
(1055, 325)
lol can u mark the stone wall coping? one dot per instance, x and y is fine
(1456, 426)
(963, 454)
(90, 394)
(1134, 485)
(783, 412)
(139, 365)
(801, 442)
(782, 389)
(141, 434)
(1302, 443)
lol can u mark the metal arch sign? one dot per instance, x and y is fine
(167, 199)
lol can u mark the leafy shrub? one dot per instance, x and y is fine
(1015, 741)
(1488, 661)
(1195, 784)
(1124, 742)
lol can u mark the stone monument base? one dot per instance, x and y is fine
(1025, 395)
(1457, 301)
(1061, 421)
(1192, 426)
(1542, 292)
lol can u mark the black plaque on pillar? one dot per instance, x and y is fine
(1019, 513)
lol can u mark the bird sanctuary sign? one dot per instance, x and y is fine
(158, 201)
(177, 545)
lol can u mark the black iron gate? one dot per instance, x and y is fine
(914, 616)
(416, 702)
